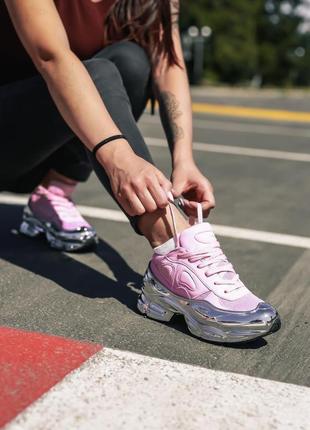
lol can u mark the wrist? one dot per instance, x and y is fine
(108, 154)
(182, 159)
(182, 153)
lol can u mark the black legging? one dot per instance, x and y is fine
(35, 138)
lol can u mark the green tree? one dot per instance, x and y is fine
(252, 37)
(232, 52)
(279, 42)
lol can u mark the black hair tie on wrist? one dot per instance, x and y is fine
(107, 140)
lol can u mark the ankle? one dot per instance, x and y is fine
(53, 176)
(157, 226)
(59, 185)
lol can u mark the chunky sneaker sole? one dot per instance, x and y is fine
(62, 240)
(202, 318)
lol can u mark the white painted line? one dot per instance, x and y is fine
(268, 130)
(220, 230)
(9, 199)
(237, 150)
(262, 236)
(121, 390)
(101, 213)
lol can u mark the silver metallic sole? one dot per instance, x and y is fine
(204, 320)
(62, 240)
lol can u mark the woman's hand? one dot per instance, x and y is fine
(189, 182)
(137, 185)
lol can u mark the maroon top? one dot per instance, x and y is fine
(83, 21)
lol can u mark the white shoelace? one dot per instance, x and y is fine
(192, 220)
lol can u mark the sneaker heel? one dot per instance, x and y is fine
(151, 302)
(29, 229)
(153, 310)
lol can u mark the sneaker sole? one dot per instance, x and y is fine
(60, 240)
(204, 320)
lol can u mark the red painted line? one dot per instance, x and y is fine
(31, 363)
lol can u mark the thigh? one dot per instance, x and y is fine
(134, 67)
(108, 81)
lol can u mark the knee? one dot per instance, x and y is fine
(103, 72)
(132, 61)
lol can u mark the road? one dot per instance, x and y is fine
(260, 171)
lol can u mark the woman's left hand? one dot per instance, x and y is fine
(189, 182)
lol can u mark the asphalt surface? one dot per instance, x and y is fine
(93, 296)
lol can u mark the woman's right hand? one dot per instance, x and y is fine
(138, 186)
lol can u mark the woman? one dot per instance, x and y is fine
(81, 81)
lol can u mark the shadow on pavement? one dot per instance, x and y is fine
(34, 255)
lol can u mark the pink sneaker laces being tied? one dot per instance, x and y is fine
(52, 212)
(194, 278)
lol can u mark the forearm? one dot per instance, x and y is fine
(173, 95)
(77, 98)
(41, 31)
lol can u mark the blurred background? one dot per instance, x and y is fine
(258, 43)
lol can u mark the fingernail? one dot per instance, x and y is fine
(170, 196)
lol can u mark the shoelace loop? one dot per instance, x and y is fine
(215, 261)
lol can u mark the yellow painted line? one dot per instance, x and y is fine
(247, 112)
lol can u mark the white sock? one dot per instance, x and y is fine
(165, 247)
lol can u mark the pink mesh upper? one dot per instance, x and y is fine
(54, 205)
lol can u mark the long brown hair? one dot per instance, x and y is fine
(146, 22)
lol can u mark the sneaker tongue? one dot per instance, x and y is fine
(60, 189)
(196, 238)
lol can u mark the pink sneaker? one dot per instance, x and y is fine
(195, 279)
(52, 212)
